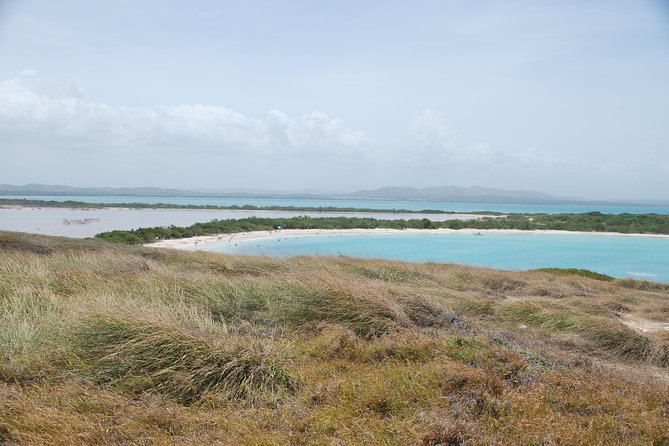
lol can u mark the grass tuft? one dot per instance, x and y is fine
(142, 357)
(545, 318)
(576, 272)
(307, 307)
(625, 342)
(642, 285)
(23, 243)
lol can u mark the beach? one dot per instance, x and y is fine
(215, 241)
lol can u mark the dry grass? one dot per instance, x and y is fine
(141, 356)
(114, 345)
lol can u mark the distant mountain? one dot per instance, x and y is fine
(474, 194)
(460, 194)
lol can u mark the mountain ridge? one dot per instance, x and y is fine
(471, 194)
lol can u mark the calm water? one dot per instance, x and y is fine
(81, 223)
(368, 204)
(618, 256)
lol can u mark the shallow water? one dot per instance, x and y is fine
(637, 257)
(366, 204)
(80, 223)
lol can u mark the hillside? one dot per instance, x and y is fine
(110, 344)
(473, 194)
(442, 193)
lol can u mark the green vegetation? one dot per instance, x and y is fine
(109, 344)
(591, 222)
(156, 358)
(588, 222)
(147, 235)
(577, 272)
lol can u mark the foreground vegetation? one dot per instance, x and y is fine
(590, 222)
(112, 344)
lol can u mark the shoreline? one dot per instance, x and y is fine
(88, 222)
(205, 241)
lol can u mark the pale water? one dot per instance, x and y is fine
(88, 222)
(638, 257)
(366, 204)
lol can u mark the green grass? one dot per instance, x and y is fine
(540, 316)
(577, 272)
(145, 357)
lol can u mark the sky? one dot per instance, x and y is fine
(569, 98)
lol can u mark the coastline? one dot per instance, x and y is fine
(87, 222)
(207, 241)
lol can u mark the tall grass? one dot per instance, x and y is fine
(148, 357)
(109, 344)
(28, 324)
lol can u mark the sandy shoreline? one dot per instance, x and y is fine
(214, 241)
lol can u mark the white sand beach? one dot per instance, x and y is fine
(211, 242)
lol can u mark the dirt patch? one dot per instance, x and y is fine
(643, 325)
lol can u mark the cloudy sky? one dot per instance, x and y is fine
(568, 97)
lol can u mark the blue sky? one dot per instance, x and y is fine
(566, 97)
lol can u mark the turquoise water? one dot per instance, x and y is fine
(367, 204)
(618, 256)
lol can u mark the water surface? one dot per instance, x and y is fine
(81, 223)
(639, 257)
(365, 204)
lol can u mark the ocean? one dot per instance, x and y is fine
(638, 257)
(367, 204)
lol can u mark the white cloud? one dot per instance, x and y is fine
(33, 111)
(429, 134)
(53, 130)
(314, 130)
(429, 137)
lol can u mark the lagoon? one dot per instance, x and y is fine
(638, 257)
(87, 222)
